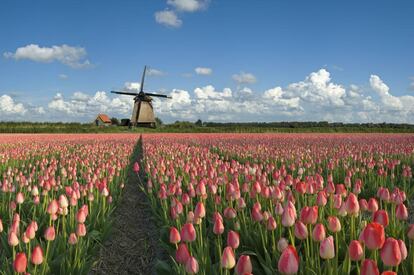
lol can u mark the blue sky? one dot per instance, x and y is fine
(298, 60)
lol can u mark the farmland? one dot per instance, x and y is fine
(222, 203)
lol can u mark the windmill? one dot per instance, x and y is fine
(143, 112)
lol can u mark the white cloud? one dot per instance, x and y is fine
(244, 78)
(155, 72)
(203, 71)
(67, 55)
(168, 18)
(382, 89)
(208, 92)
(188, 5)
(8, 107)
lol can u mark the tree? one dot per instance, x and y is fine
(114, 121)
(199, 123)
(158, 121)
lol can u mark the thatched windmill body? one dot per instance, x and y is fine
(143, 112)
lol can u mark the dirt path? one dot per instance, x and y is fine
(132, 245)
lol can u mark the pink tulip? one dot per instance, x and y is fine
(20, 263)
(81, 230)
(327, 249)
(175, 237)
(309, 215)
(182, 254)
(228, 260)
(334, 225)
(301, 231)
(188, 233)
(37, 255)
(289, 215)
(218, 227)
(233, 239)
(403, 249)
(381, 217)
(391, 252)
(244, 265)
(53, 207)
(12, 239)
(401, 212)
(200, 210)
(136, 167)
(191, 265)
(352, 205)
(19, 198)
(318, 233)
(369, 267)
(72, 239)
(355, 250)
(81, 216)
(372, 205)
(289, 261)
(50, 233)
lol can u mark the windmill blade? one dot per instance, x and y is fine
(158, 95)
(143, 79)
(124, 93)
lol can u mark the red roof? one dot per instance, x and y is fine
(104, 118)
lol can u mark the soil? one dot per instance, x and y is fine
(132, 247)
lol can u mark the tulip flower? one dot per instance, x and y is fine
(233, 239)
(309, 215)
(50, 233)
(301, 231)
(200, 210)
(175, 237)
(244, 265)
(228, 260)
(289, 261)
(318, 233)
(401, 212)
(20, 263)
(334, 225)
(373, 236)
(327, 248)
(271, 224)
(81, 216)
(136, 167)
(72, 239)
(191, 265)
(218, 227)
(389, 272)
(12, 239)
(81, 230)
(355, 250)
(352, 205)
(391, 252)
(37, 255)
(369, 267)
(381, 217)
(282, 244)
(188, 233)
(403, 249)
(289, 215)
(182, 254)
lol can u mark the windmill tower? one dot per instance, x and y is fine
(143, 112)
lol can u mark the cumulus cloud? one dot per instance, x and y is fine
(203, 71)
(74, 57)
(244, 78)
(168, 18)
(9, 107)
(188, 5)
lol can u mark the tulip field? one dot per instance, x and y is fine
(224, 203)
(56, 193)
(282, 203)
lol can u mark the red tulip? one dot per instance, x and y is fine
(188, 233)
(381, 217)
(355, 250)
(389, 272)
(334, 225)
(327, 249)
(391, 253)
(182, 254)
(228, 260)
(20, 263)
(233, 239)
(136, 167)
(369, 267)
(200, 210)
(373, 235)
(318, 233)
(289, 261)
(175, 237)
(244, 265)
(191, 265)
(37, 255)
